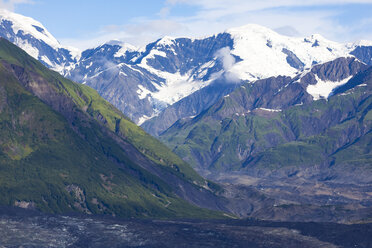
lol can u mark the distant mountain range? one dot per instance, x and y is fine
(174, 78)
(171, 79)
(286, 125)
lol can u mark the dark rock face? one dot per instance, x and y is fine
(189, 106)
(184, 54)
(120, 85)
(43, 90)
(357, 80)
(364, 54)
(338, 69)
(293, 60)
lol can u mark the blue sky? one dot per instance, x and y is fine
(86, 23)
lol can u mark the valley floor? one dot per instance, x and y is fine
(25, 228)
(296, 198)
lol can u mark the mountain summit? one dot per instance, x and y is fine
(34, 38)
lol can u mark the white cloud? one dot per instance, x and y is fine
(224, 54)
(214, 16)
(11, 4)
(253, 5)
(155, 27)
(139, 33)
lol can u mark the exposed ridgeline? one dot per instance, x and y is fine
(174, 78)
(316, 125)
(64, 148)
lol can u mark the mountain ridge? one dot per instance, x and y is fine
(209, 139)
(144, 82)
(64, 148)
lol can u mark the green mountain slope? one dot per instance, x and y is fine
(274, 124)
(63, 148)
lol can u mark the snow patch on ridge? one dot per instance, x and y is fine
(322, 89)
(32, 51)
(155, 52)
(175, 86)
(142, 92)
(270, 110)
(175, 90)
(142, 119)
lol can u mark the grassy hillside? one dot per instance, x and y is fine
(228, 137)
(61, 149)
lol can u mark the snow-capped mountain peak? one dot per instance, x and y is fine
(27, 25)
(166, 41)
(34, 38)
(265, 53)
